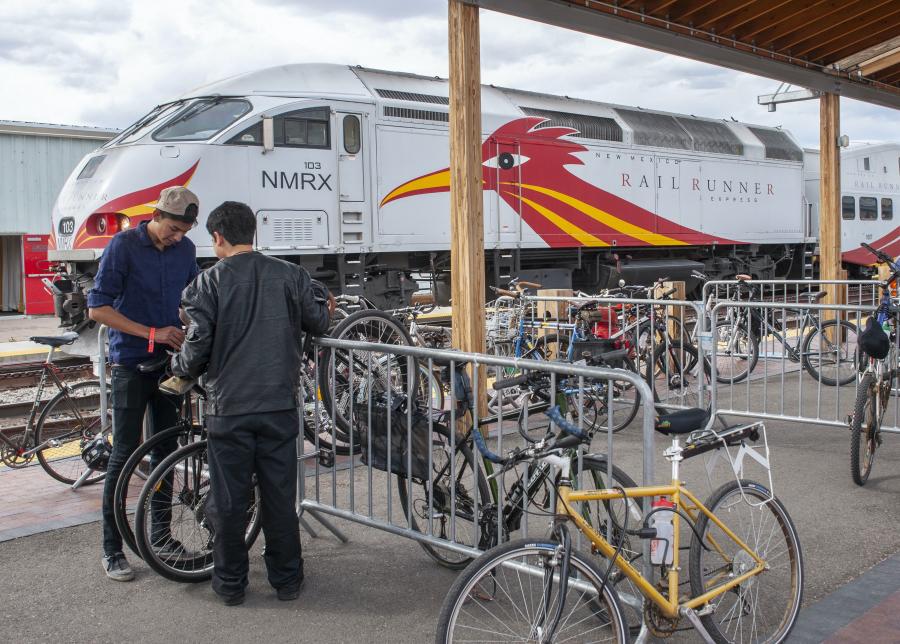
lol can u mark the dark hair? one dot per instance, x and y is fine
(234, 221)
(189, 216)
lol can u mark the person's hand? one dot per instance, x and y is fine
(170, 335)
(332, 304)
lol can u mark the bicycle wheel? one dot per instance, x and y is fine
(70, 420)
(510, 593)
(371, 372)
(830, 353)
(865, 425)
(438, 506)
(764, 607)
(318, 428)
(593, 402)
(737, 352)
(178, 545)
(611, 519)
(136, 471)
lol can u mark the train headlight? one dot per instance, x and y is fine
(103, 224)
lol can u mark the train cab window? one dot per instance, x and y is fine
(202, 119)
(868, 208)
(351, 134)
(887, 208)
(301, 129)
(866, 163)
(848, 207)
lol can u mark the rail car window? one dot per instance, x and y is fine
(868, 208)
(202, 120)
(866, 165)
(301, 129)
(848, 207)
(887, 208)
(351, 134)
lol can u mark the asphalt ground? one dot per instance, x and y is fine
(380, 587)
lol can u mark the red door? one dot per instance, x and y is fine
(36, 267)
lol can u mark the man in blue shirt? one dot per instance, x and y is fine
(137, 294)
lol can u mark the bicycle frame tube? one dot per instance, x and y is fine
(669, 605)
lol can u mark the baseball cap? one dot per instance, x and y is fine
(179, 202)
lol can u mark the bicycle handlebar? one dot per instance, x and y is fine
(506, 383)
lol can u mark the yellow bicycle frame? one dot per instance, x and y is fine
(669, 606)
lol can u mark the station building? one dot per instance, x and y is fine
(35, 161)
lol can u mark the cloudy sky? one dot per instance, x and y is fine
(107, 62)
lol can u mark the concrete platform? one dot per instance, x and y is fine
(383, 588)
(14, 334)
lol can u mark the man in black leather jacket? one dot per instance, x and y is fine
(248, 314)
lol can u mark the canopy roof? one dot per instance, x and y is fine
(848, 47)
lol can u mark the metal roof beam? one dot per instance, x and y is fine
(598, 23)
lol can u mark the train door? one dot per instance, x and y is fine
(503, 215)
(353, 142)
(294, 190)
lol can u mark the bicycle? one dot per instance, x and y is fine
(175, 496)
(463, 493)
(873, 390)
(543, 590)
(56, 431)
(827, 350)
(145, 458)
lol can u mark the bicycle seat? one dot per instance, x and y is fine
(683, 421)
(811, 297)
(55, 340)
(154, 365)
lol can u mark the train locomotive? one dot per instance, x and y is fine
(347, 171)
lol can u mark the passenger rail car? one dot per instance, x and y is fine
(346, 169)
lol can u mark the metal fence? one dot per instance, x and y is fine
(460, 502)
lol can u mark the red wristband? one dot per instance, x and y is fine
(151, 342)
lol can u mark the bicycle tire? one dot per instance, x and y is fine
(441, 516)
(747, 595)
(369, 325)
(196, 565)
(863, 430)
(810, 355)
(480, 580)
(732, 375)
(318, 427)
(126, 486)
(595, 407)
(71, 430)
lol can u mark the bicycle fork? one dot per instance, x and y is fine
(559, 561)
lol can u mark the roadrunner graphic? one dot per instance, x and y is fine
(526, 165)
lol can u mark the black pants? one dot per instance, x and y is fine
(133, 394)
(239, 446)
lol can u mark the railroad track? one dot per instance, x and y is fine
(28, 374)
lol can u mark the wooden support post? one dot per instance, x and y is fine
(830, 197)
(466, 176)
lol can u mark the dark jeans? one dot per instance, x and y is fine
(240, 446)
(133, 394)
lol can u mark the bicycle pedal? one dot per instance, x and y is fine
(326, 458)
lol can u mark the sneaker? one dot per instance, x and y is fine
(174, 549)
(232, 600)
(116, 567)
(289, 593)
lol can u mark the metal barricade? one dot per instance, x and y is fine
(660, 336)
(806, 365)
(850, 292)
(455, 508)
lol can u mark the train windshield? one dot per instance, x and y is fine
(144, 124)
(202, 120)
